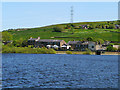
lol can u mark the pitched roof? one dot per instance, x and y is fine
(74, 42)
(48, 40)
(33, 39)
(80, 42)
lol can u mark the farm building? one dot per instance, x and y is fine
(37, 42)
(83, 45)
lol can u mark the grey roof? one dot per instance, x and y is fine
(6, 41)
(80, 42)
(48, 40)
(33, 39)
(74, 42)
(66, 44)
(114, 41)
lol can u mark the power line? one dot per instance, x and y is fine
(71, 14)
(72, 19)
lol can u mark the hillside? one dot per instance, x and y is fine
(67, 35)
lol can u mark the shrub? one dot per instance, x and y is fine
(68, 52)
(7, 49)
(6, 36)
(52, 51)
(90, 39)
(110, 48)
(118, 48)
(88, 52)
(115, 49)
(58, 29)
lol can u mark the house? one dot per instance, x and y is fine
(116, 46)
(78, 45)
(6, 42)
(83, 45)
(117, 26)
(65, 47)
(114, 41)
(49, 43)
(32, 41)
(74, 44)
(105, 44)
(45, 42)
(84, 26)
(93, 46)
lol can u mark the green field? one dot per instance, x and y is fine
(79, 34)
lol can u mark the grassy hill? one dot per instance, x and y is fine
(79, 34)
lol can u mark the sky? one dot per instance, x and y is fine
(37, 14)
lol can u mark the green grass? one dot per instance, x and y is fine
(68, 52)
(79, 34)
(7, 49)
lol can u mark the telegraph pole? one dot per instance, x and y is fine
(72, 19)
(71, 14)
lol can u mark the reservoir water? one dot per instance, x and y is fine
(59, 71)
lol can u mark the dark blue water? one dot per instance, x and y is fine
(59, 71)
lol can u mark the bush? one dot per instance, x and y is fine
(115, 49)
(118, 48)
(58, 29)
(110, 48)
(88, 52)
(7, 49)
(89, 39)
(68, 52)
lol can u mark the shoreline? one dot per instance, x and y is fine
(93, 53)
(75, 53)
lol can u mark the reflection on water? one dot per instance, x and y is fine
(59, 71)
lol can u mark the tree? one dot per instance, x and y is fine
(101, 41)
(68, 26)
(119, 48)
(6, 36)
(115, 49)
(80, 27)
(111, 26)
(118, 22)
(57, 29)
(18, 43)
(103, 27)
(25, 43)
(91, 27)
(89, 39)
(111, 48)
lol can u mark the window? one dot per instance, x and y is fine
(76, 45)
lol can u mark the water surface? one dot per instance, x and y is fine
(59, 71)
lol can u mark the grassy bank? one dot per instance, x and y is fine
(74, 52)
(92, 53)
(6, 49)
(79, 34)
